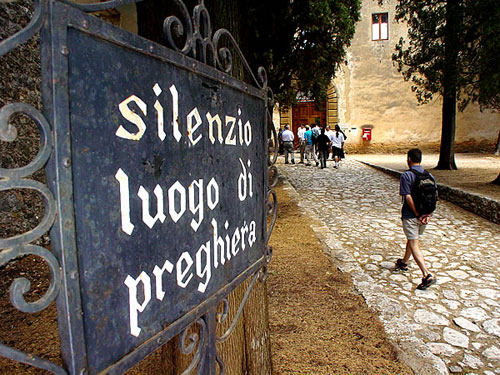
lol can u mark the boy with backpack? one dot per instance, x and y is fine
(419, 193)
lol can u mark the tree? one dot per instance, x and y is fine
(300, 42)
(485, 87)
(452, 51)
(431, 60)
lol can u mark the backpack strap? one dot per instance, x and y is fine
(423, 174)
(417, 173)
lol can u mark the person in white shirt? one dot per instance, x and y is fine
(302, 142)
(338, 140)
(315, 131)
(329, 133)
(287, 137)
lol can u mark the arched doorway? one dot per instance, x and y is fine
(305, 112)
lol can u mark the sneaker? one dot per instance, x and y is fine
(317, 163)
(286, 162)
(427, 281)
(400, 265)
(293, 161)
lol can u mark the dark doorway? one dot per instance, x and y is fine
(306, 113)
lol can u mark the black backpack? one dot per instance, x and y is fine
(424, 192)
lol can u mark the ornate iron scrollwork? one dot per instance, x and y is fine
(196, 341)
(205, 48)
(26, 33)
(18, 178)
(20, 245)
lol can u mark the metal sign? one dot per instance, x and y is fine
(158, 186)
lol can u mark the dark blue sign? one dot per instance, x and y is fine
(168, 167)
(159, 195)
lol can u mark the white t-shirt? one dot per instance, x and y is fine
(287, 136)
(337, 141)
(301, 133)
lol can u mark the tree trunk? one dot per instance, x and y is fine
(497, 148)
(446, 152)
(450, 82)
(496, 181)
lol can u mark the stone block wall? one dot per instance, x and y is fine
(477, 204)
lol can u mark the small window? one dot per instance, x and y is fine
(380, 26)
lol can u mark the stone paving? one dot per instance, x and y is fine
(452, 327)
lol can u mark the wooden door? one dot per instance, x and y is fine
(305, 113)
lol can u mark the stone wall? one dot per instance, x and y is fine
(477, 204)
(373, 94)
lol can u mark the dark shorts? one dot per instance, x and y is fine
(337, 152)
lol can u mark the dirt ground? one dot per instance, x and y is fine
(319, 324)
(475, 170)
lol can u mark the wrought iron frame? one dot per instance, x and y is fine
(201, 53)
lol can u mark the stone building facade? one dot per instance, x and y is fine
(370, 97)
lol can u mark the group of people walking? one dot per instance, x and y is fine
(315, 143)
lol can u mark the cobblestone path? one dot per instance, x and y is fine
(452, 326)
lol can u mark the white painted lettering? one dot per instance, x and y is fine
(248, 133)
(230, 139)
(212, 194)
(206, 270)
(181, 192)
(133, 117)
(196, 208)
(228, 242)
(175, 113)
(182, 272)
(146, 216)
(251, 237)
(218, 245)
(194, 114)
(158, 272)
(240, 127)
(211, 121)
(244, 230)
(122, 178)
(134, 306)
(250, 180)
(159, 113)
(235, 242)
(242, 182)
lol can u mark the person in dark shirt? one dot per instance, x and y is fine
(414, 223)
(323, 144)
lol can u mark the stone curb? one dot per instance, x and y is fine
(410, 349)
(487, 208)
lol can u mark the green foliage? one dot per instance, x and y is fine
(485, 78)
(300, 42)
(452, 44)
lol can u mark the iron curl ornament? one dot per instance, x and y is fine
(190, 35)
(20, 245)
